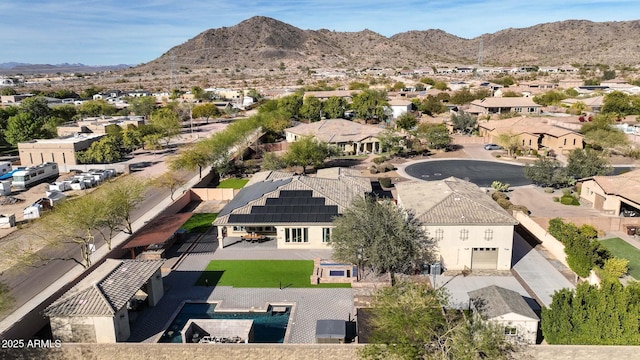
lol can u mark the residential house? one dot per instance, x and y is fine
(98, 308)
(324, 95)
(399, 106)
(98, 125)
(613, 195)
(471, 230)
(500, 105)
(533, 134)
(351, 137)
(508, 309)
(294, 210)
(594, 104)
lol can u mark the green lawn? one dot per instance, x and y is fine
(620, 248)
(262, 274)
(199, 223)
(233, 183)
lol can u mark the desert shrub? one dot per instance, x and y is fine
(534, 152)
(499, 195)
(518, 152)
(504, 203)
(522, 208)
(386, 167)
(549, 190)
(497, 156)
(379, 160)
(569, 200)
(373, 169)
(385, 182)
(556, 199)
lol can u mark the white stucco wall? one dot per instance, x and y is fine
(456, 253)
(103, 328)
(590, 189)
(527, 327)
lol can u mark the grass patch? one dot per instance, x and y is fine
(261, 274)
(199, 223)
(621, 249)
(233, 183)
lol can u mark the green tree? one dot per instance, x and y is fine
(308, 151)
(355, 85)
(436, 135)
(166, 124)
(171, 180)
(407, 322)
(103, 151)
(64, 112)
(462, 96)
(37, 106)
(334, 107)
(406, 121)
(8, 91)
(24, 127)
(271, 161)
(192, 158)
(121, 197)
(601, 135)
(96, 108)
(311, 109)
(131, 139)
(390, 141)
(381, 237)
(464, 122)
(143, 105)
(398, 86)
(618, 103)
(509, 141)
(291, 105)
(431, 105)
(583, 163)
(441, 85)
(546, 172)
(207, 111)
(552, 97)
(370, 104)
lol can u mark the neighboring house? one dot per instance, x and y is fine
(399, 107)
(297, 211)
(97, 309)
(506, 308)
(471, 230)
(533, 134)
(613, 195)
(538, 85)
(324, 95)
(61, 150)
(501, 105)
(351, 137)
(98, 125)
(594, 104)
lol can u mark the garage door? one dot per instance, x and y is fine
(484, 258)
(599, 203)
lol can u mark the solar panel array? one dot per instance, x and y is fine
(293, 206)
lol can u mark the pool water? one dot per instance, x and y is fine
(268, 327)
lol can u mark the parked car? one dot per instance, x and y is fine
(492, 147)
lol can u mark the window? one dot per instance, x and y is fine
(296, 235)
(488, 234)
(464, 234)
(238, 228)
(511, 331)
(326, 235)
(574, 141)
(565, 141)
(439, 235)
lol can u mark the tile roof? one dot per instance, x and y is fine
(106, 289)
(492, 102)
(339, 188)
(626, 185)
(523, 124)
(493, 301)
(451, 201)
(336, 130)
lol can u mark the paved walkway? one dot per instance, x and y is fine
(540, 276)
(310, 304)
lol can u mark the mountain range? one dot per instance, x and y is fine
(262, 42)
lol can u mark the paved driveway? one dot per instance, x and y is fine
(480, 172)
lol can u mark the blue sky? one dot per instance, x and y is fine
(107, 32)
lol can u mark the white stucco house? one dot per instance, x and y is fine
(96, 309)
(294, 210)
(470, 229)
(508, 309)
(399, 107)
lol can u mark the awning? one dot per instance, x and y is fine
(158, 230)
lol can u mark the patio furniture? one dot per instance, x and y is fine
(253, 237)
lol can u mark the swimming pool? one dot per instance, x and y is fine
(268, 327)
